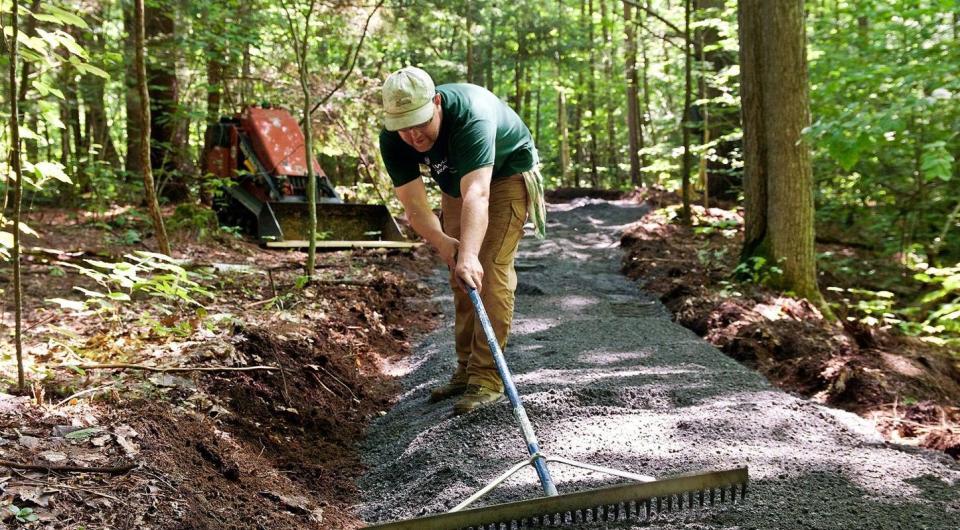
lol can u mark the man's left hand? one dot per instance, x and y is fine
(469, 271)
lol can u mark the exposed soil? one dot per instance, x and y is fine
(908, 387)
(225, 449)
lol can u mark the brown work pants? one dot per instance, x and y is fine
(507, 212)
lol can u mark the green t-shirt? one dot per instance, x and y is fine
(477, 130)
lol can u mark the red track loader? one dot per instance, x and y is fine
(260, 152)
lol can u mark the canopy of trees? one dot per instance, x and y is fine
(617, 94)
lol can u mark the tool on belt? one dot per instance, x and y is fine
(643, 498)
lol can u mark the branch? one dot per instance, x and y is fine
(148, 368)
(353, 62)
(655, 15)
(69, 469)
(664, 38)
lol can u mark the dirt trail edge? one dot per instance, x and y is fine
(608, 378)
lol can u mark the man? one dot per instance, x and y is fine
(483, 159)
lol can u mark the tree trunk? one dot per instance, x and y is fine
(721, 179)
(592, 99)
(132, 94)
(471, 68)
(611, 161)
(562, 132)
(778, 178)
(491, 47)
(167, 141)
(684, 120)
(17, 193)
(633, 104)
(518, 70)
(145, 118)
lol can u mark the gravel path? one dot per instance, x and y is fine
(607, 378)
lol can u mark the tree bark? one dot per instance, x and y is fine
(145, 118)
(132, 94)
(167, 147)
(608, 44)
(562, 132)
(592, 99)
(17, 192)
(685, 120)
(778, 178)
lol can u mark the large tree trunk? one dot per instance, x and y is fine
(778, 178)
(145, 119)
(167, 148)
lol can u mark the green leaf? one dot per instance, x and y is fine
(82, 434)
(34, 43)
(91, 69)
(43, 17)
(65, 16)
(51, 170)
(122, 297)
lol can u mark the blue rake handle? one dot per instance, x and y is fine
(538, 460)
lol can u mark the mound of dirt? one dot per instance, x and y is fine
(864, 369)
(212, 449)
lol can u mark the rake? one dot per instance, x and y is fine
(644, 498)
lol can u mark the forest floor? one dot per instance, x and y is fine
(264, 448)
(909, 388)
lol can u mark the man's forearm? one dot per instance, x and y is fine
(473, 224)
(428, 226)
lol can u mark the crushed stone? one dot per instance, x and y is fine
(607, 378)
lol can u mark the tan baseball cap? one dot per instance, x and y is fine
(407, 98)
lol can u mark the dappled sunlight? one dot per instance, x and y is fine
(528, 326)
(604, 357)
(577, 302)
(586, 375)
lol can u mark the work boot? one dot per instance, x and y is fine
(476, 396)
(456, 386)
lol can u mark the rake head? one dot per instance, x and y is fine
(637, 501)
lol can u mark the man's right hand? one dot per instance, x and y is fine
(447, 248)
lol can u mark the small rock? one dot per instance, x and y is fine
(29, 442)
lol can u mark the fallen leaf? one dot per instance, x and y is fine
(82, 434)
(124, 434)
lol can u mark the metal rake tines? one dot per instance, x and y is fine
(621, 502)
(639, 509)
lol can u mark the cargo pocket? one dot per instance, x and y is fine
(513, 233)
